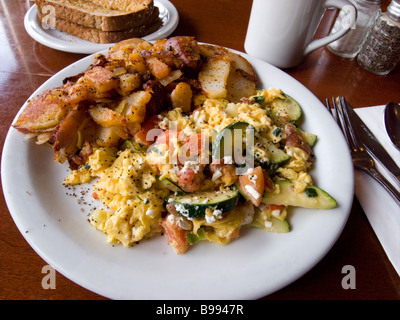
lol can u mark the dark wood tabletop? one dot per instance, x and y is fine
(25, 64)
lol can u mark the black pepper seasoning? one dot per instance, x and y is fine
(380, 51)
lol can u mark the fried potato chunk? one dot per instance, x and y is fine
(43, 113)
(213, 77)
(96, 83)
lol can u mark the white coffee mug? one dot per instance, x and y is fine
(281, 31)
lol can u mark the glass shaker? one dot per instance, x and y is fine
(380, 51)
(349, 45)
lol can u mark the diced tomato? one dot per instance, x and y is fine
(190, 180)
(253, 185)
(193, 147)
(176, 236)
(142, 135)
(195, 143)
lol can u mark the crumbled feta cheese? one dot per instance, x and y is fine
(210, 219)
(268, 224)
(171, 219)
(175, 169)
(214, 216)
(191, 165)
(249, 170)
(182, 210)
(253, 192)
(184, 224)
(276, 212)
(179, 221)
(150, 212)
(217, 174)
(217, 213)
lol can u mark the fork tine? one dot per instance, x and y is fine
(338, 116)
(340, 119)
(328, 106)
(349, 128)
(334, 114)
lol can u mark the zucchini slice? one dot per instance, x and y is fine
(229, 142)
(313, 197)
(279, 226)
(309, 137)
(268, 155)
(275, 225)
(287, 108)
(169, 184)
(242, 195)
(194, 205)
(132, 145)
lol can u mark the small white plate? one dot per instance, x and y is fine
(54, 222)
(62, 41)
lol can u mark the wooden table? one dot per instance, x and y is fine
(26, 64)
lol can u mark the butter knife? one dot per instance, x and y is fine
(372, 144)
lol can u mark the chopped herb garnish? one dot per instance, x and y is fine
(193, 238)
(258, 98)
(311, 192)
(277, 131)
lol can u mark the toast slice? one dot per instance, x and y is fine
(101, 36)
(124, 5)
(104, 15)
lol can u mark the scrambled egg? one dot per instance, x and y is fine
(127, 186)
(128, 182)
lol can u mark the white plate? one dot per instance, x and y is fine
(255, 265)
(59, 40)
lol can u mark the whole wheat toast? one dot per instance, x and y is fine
(99, 14)
(101, 36)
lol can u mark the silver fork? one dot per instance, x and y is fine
(361, 158)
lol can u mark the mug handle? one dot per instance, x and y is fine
(350, 17)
